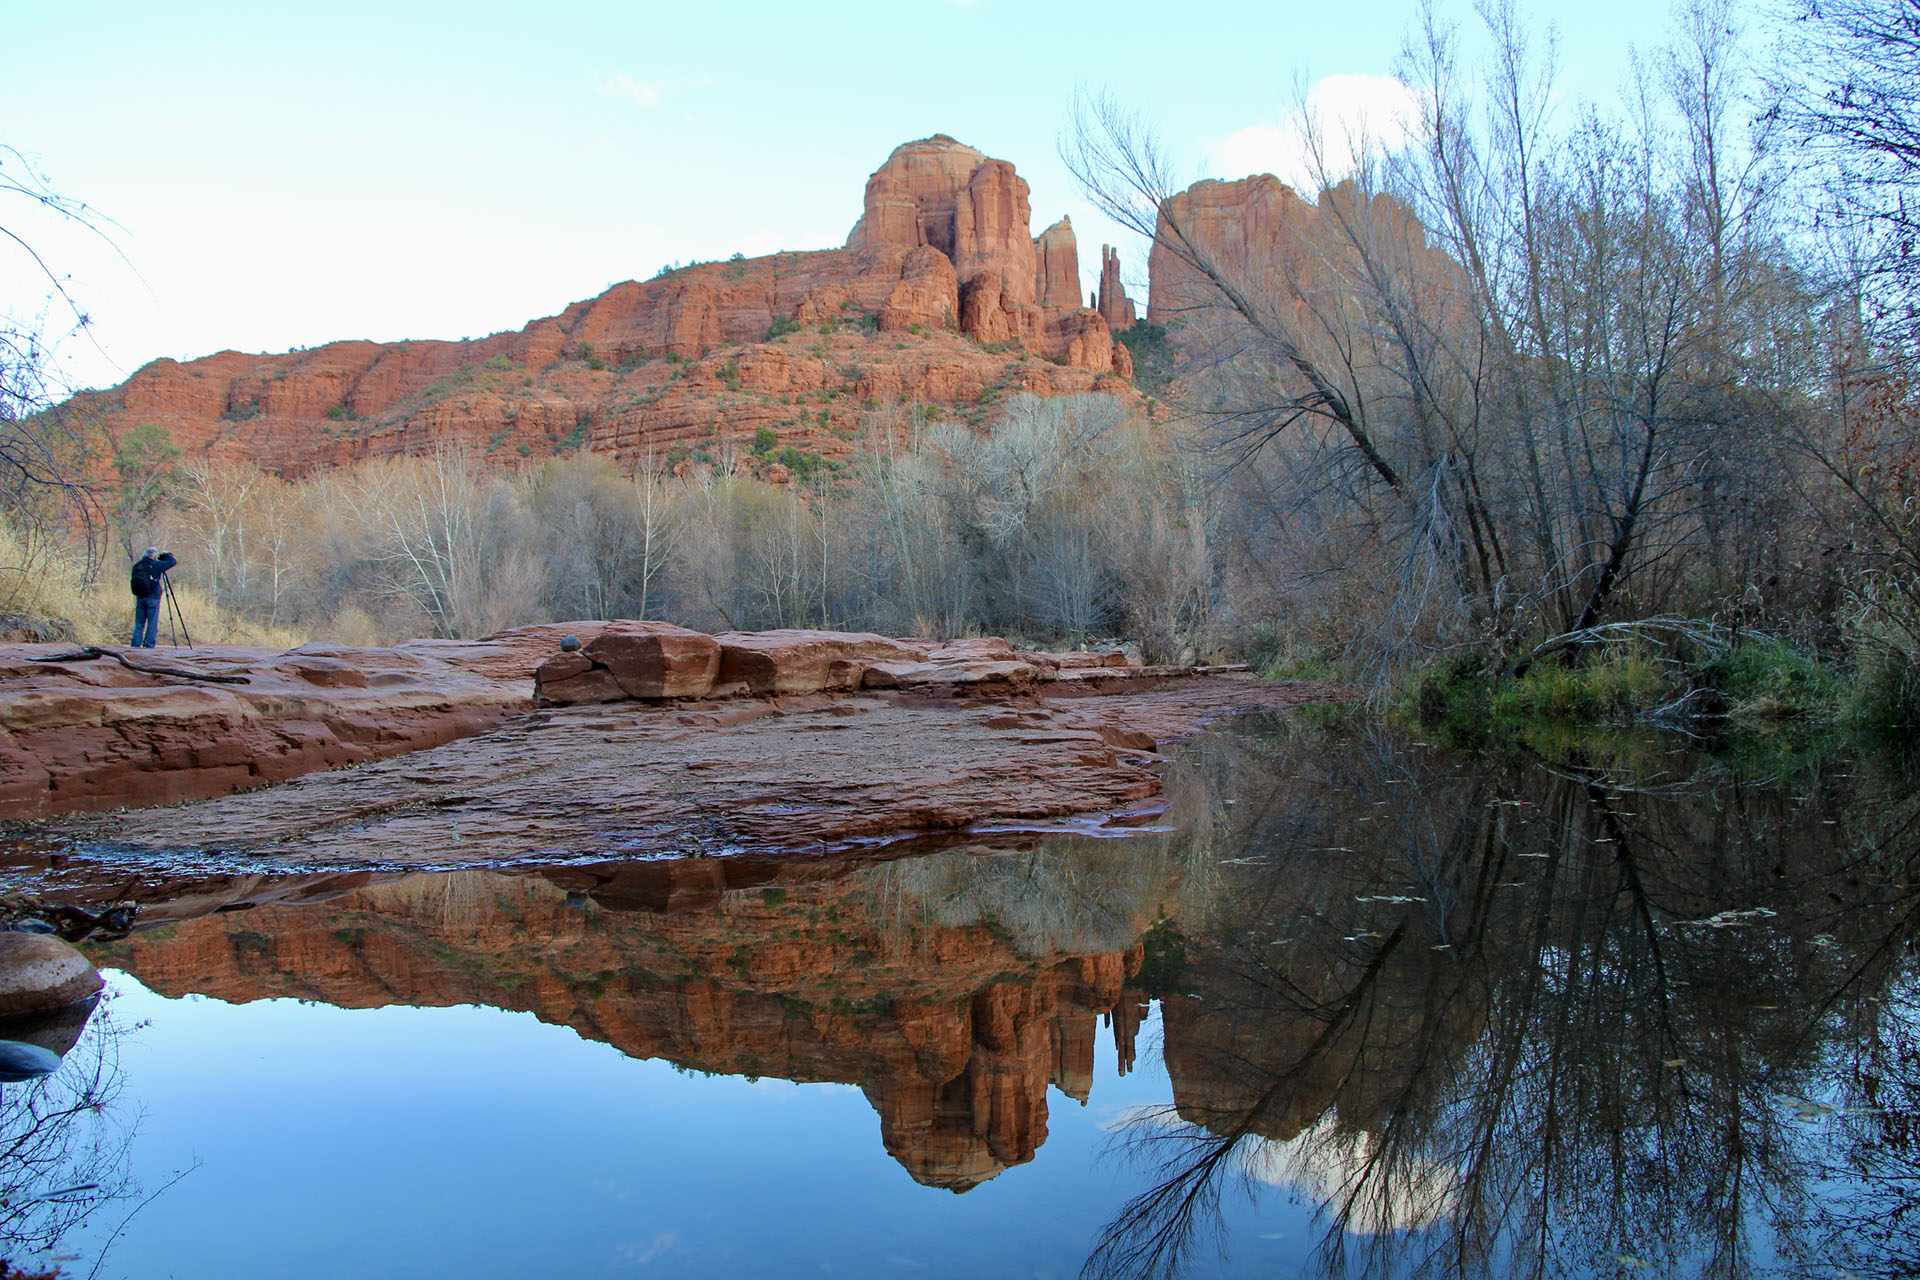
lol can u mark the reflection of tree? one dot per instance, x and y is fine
(64, 1146)
(1501, 1020)
(1067, 894)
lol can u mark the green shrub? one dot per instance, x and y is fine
(730, 375)
(1154, 359)
(1762, 678)
(765, 440)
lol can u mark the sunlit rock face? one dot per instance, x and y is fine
(941, 260)
(954, 1019)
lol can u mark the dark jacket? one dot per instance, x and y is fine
(146, 575)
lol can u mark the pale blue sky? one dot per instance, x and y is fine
(287, 175)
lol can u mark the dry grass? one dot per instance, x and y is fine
(49, 583)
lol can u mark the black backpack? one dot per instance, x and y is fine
(146, 578)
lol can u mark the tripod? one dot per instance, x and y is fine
(174, 616)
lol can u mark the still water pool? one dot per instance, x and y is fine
(1364, 1007)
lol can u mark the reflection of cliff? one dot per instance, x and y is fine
(952, 1030)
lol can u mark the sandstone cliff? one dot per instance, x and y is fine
(1277, 249)
(941, 295)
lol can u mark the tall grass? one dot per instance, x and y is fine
(50, 584)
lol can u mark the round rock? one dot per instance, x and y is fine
(569, 643)
(39, 972)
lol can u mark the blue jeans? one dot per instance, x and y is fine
(146, 621)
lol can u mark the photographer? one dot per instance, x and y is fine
(149, 573)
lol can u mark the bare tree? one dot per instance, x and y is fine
(1524, 368)
(1852, 100)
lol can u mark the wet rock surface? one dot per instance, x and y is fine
(639, 780)
(691, 743)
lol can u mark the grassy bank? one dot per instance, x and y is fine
(1753, 685)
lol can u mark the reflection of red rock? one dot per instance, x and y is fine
(1250, 1055)
(953, 1035)
(689, 358)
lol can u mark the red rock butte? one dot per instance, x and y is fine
(941, 295)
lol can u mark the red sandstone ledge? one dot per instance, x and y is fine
(87, 730)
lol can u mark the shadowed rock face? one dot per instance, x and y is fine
(689, 358)
(953, 1033)
(1286, 256)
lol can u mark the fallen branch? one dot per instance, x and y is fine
(91, 651)
(1709, 636)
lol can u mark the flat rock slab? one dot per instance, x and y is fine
(92, 729)
(92, 734)
(632, 780)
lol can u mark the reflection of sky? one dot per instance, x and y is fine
(470, 1141)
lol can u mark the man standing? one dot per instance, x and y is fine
(148, 574)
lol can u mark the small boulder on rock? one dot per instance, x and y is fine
(631, 660)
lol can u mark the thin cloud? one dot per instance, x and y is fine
(639, 92)
(1346, 117)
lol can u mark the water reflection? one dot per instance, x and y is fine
(1527, 1020)
(1488, 1017)
(952, 988)
(64, 1137)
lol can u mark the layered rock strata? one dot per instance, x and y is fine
(657, 661)
(88, 732)
(696, 361)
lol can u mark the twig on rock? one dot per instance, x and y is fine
(87, 652)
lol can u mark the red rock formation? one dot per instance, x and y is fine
(637, 371)
(1115, 307)
(795, 661)
(928, 295)
(1278, 250)
(632, 660)
(1057, 254)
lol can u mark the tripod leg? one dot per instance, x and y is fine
(174, 601)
